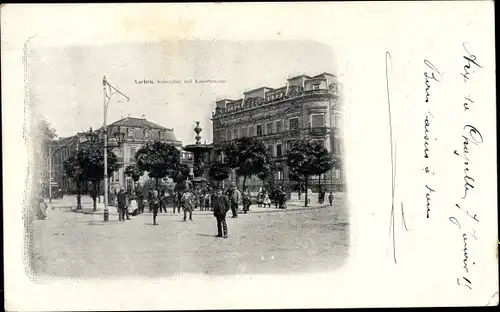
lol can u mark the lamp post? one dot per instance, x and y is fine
(108, 91)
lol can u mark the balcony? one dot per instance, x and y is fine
(318, 131)
(294, 132)
(270, 100)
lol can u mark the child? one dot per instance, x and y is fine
(267, 200)
(330, 198)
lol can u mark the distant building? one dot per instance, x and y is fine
(136, 132)
(306, 107)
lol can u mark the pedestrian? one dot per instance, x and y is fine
(122, 205)
(134, 207)
(140, 202)
(212, 198)
(207, 201)
(267, 200)
(235, 200)
(150, 197)
(154, 205)
(163, 202)
(246, 201)
(187, 204)
(41, 209)
(331, 198)
(177, 202)
(220, 206)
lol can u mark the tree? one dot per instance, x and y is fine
(324, 162)
(134, 173)
(91, 163)
(46, 129)
(248, 156)
(306, 158)
(268, 172)
(219, 172)
(73, 171)
(181, 174)
(159, 159)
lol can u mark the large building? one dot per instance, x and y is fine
(130, 132)
(306, 107)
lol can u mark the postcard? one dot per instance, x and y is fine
(249, 155)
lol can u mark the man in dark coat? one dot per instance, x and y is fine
(220, 205)
(154, 205)
(122, 205)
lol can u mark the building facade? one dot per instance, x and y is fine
(125, 136)
(305, 108)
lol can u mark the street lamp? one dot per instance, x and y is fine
(91, 136)
(108, 91)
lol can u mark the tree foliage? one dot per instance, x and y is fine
(91, 162)
(306, 158)
(46, 130)
(248, 155)
(159, 159)
(181, 173)
(134, 172)
(219, 172)
(88, 165)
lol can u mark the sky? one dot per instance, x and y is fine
(66, 82)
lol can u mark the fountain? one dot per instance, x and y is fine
(199, 151)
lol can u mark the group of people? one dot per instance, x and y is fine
(276, 196)
(321, 197)
(218, 201)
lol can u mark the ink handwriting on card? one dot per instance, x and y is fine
(431, 74)
(392, 225)
(471, 63)
(428, 78)
(465, 216)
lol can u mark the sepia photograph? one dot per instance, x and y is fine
(215, 156)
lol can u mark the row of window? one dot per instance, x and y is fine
(270, 96)
(278, 175)
(279, 149)
(139, 133)
(317, 120)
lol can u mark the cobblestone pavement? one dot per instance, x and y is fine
(76, 245)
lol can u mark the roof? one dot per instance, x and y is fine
(64, 141)
(137, 123)
(257, 89)
(298, 77)
(324, 74)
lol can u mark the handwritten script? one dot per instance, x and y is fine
(464, 216)
(432, 77)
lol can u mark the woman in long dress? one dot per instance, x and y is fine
(41, 209)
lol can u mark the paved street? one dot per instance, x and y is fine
(69, 244)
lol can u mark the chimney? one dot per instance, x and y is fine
(143, 116)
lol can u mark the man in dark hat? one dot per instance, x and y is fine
(235, 198)
(122, 205)
(220, 206)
